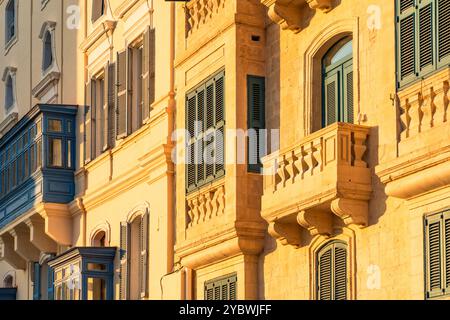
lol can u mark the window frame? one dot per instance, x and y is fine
(221, 281)
(10, 39)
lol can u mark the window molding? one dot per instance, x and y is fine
(48, 27)
(348, 236)
(12, 274)
(9, 43)
(312, 77)
(10, 72)
(101, 227)
(44, 4)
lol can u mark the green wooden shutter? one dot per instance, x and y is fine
(88, 124)
(348, 112)
(406, 41)
(332, 98)
(446, 249)
(124, 260)
(340, 271)
(50, 283)
(426, 26)
(324, 274)
(37, 281)
(122, 94)
(105, 106)
(191, 116)
(223, 288)
(434, 255)
(111, 124)
(256, 121)
(443, 32)
(143, 258)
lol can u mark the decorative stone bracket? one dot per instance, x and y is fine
(288, 13)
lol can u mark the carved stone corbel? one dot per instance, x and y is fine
(316, 222)
(324, 5)
(351, 211)
(287, 17)
(286, 233)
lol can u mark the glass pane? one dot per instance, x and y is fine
(55, 152)
(96, 267)
(339, 51)
(96, 289)
(54, 125)
(69, 153)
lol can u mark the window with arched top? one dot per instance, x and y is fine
(9, 92)
(337, 83)
(47, 60)
(8, 282)
(98, 9)
(331, 269)
(10, 21)
(99, 239)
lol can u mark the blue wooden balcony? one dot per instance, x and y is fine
(8, 293)
(37, 161)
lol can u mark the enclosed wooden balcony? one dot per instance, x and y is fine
(323, 175)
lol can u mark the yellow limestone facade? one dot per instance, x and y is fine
(343, 207)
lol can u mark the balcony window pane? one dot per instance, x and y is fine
(55, 152)
(69, 153)
(96, 289)
(54, 125)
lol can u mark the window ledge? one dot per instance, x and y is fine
(50, 80)
(8, 123)
(10, 44)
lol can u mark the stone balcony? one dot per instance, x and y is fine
(324, 174)
(422, 163)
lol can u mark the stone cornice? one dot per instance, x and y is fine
(50, 79)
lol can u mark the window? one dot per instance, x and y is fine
(423, 45)
(55, 152)
(98, 9)
(205, 122)
(331, 271)
(99, 240)
(437, 254)
(256, 122)
(8, 282)
(135, 83)
(337, 68)
(134, 258)
(47, 59)
(42, 281)
(223, 288)
(10, 21)
(9, 93)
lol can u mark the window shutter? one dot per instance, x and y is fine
(446, 241)
(209, 291)
(105, 120)
(443, 34)
(88, 124)
(191, 116)
(324, 275)
(124, 260)
(348, 93)
(111, 124)
(50, 284)
(224, 288)
(406, 41)
(426, 38)
(340, 272)
(122, 94)
(148, 78)
(256, 121)
(219, 87)
(37, 281)
(434, 255)
(143, 259)
(332, 98)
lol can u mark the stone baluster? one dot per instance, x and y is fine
(416, 114)
(359, 148)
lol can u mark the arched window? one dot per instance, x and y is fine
(8, 282)
(337, 71)
(331, 268)
(10, 20)
(47, 60)
(99, 240)
(9, 92)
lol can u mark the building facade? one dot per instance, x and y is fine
(224, 149)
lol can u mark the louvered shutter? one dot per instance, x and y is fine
(324, 272)
(340, 272)
(111, 88)
(349, 109)
(332, 98)
(88, 124)
(36, 281)
(406, 41)
(148, 71)
(105, 120)
(256, 121)
(143, 259)
(50, 284)
(224, 288)
(209, 291)
(434, 256)
(446, 248)
(232, 288)
(191, 116)
(219, 114)
(122, 94)
(426, 19)
(124, 260)
(443, 32)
